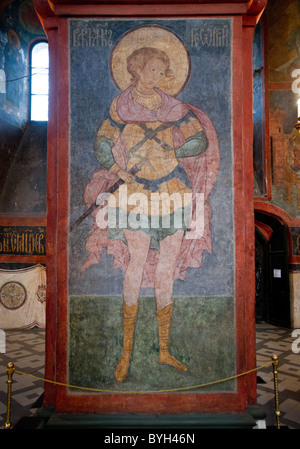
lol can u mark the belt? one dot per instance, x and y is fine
(153, 184)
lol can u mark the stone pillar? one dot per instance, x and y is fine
(150, 319)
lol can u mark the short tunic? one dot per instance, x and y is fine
(158, 202)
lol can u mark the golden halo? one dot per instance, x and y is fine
(157, 37)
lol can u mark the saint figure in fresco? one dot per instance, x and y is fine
(156, 144)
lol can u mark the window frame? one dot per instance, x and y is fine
(31, 48)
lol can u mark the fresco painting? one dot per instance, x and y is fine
(151, 242)
(285, 152)
(283, 41)
(19, 27)
(283, 94)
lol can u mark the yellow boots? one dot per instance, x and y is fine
(164, 321)
(129, 317)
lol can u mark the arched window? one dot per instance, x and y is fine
(39, 85)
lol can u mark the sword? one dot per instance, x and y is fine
(133, 171)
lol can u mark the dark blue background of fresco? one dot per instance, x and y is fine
(91, 92)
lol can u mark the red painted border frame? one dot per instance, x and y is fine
(57, 396)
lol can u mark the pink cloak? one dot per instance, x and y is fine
(202, 171)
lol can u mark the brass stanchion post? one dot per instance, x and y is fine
(275, 375)
(10, 369)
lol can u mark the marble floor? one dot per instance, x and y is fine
(25, 348)
(275, 340)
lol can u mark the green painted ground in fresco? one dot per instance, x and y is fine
(202, 337)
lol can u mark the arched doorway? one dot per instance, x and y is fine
(272, 302)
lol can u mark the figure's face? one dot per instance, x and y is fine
(152, 73)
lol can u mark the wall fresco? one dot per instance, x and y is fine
(295, 235)
(19, 25)
(258, 114)
(21, 190)
(285, 162)
(25, 182)
(151, 302)
(283, 40)
(283, 72)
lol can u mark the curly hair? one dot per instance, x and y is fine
(139, 58)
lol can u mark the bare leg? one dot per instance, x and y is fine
(138, 245)
(164, 275)
(164, 279)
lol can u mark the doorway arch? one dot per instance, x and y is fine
(272, 301)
